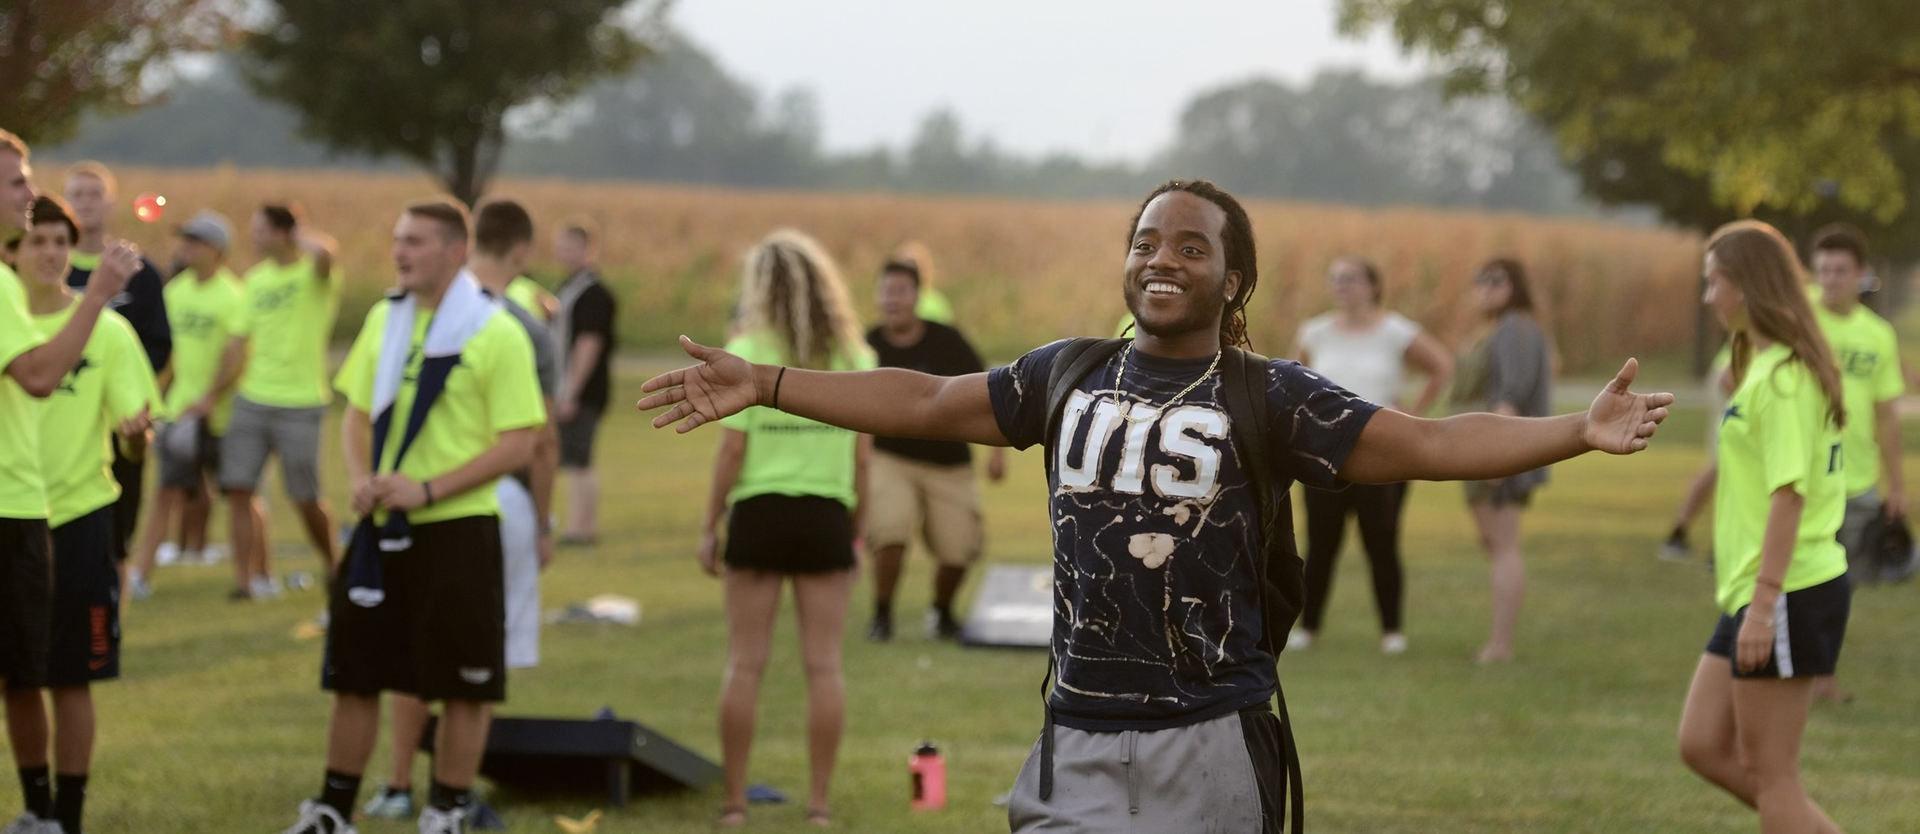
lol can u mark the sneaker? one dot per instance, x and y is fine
(881, 630)
(1675, 550)
(190, 557)
(27, 823)
(319, 818)
(213, 554)
(1395, 643)
(942, 626)
(167, 553)
(436, 821)
(137, 585)
(266, 587)
(1299, 640)
(389, 804)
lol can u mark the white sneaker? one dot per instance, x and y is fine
(435, 821)
(167, 554)
(213, 554)
(319, 818)
(27, 823)
(137, 585)
(265, 587)
(1299, 640)
(1395, 643)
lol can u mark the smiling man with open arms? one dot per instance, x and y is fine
(1165, 659)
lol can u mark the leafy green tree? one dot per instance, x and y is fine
(1789, 108)
(432, 80)
(62, 58)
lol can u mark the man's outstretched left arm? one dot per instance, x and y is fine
(1397, 447)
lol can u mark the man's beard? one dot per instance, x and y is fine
(1203, 313)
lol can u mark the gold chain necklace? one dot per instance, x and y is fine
(1149, 414)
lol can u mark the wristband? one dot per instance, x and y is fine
(776, 387)
(427, 487)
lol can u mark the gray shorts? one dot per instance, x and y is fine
(259, 430)
(576, 439)
(187, 472)
(1861, 509)
(1217, 775)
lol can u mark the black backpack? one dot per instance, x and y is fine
(1279, 571)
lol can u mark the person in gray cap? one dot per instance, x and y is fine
(202, 301)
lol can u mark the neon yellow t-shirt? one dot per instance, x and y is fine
(23, 492)
(532, 297)
(85, 261)
(292, 311)
(1774, 434)
(494, 389)
(111, 382)
(201, 313)
(934, 307)
(788, 455)
(1869, 357)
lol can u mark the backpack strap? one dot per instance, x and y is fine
(1245, 388)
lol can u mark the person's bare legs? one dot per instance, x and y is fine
(888, 564)
(946, 585)
(1499, 526)
(409, 721)
(1697, 494)
(318, 523)
(351, 731)
(752, 601)
(73, 730)
(1711, 740)
(583, 504)
(196, 511)
(1770, 717)
(821, 600)
(28, 731)
(249, 533)
(166, 504)
(461, 743)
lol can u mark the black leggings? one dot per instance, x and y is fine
(1377, 508)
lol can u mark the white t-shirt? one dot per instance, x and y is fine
(1371, 364)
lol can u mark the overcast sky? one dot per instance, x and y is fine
(1101, 78)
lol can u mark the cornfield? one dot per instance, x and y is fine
(1020, 273)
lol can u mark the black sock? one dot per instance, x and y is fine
(447, 799)
(69, 800)
(883, 611)
(1678, 536)
(339, 792)
(36, 784)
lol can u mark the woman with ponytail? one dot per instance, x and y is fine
(791, 491)
(1781, 576)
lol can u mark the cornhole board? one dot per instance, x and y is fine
(1014, 608)
(614, 757)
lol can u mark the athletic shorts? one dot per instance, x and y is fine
(26, 600)
(257, 431)
(1498, 493)
(440, 632)
(576, 439)
(183, 472)
(1808, 627)
(131, 475)
(940, 501)
(85, 638)
(1219, 775)
(790, 534)
(1861, 510)
(520, 559)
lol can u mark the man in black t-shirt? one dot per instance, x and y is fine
(1160, 713)
(90, 190)
(583, 333)
(924, 484)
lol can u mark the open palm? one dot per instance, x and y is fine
(720, 386)
(1621, 422)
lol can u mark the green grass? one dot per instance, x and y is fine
(218, 724)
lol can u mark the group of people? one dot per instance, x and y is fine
(110, 360)
(1176, 577)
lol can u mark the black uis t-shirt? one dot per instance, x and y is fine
(941, 351)
(1156, 620)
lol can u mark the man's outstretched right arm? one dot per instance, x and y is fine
(889, 401)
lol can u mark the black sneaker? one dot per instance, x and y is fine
(942, 626)
(881, 630)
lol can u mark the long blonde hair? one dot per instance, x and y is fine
(1760, 263)
(790, 287)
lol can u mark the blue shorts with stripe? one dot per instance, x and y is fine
(1808, 628)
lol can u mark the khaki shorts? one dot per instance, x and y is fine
(942, 501)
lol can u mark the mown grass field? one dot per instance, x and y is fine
(218, 726)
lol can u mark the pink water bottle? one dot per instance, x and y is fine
(929, 778)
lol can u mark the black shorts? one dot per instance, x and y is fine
(440, 632)
(576, 438)
(132, 477)
(1809, 626)
(85, 642)
(790, 534)
(26, 600)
